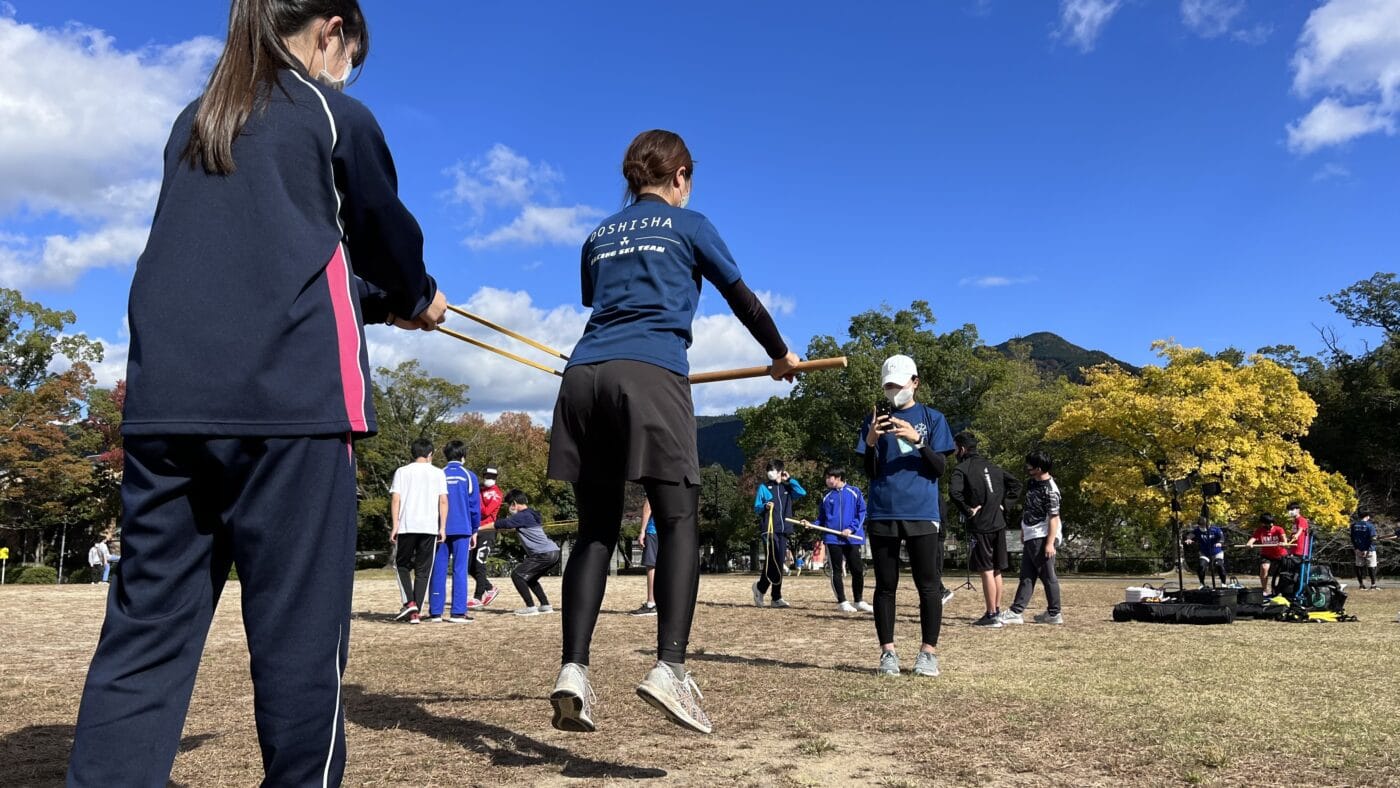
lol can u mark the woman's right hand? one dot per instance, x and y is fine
(782, 368)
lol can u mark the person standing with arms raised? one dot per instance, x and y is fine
(624, 414)
(278, 233)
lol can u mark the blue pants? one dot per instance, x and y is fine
(459, 549)
(281, 510)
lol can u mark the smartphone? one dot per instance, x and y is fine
(883, 411)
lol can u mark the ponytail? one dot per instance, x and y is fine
(253, 54)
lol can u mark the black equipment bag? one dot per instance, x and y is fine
(1251, 596)
(1229, 597)
(1173, 613)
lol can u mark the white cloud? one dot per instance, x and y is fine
(1331, 171)
(1081, 21)
(777, 303)
(82, 127)
(112, 367)
(1349, 52)
(995, 281)
(1210, 18)
(1254, 36)
(504, 181)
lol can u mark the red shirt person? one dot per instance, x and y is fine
(1273, 538)
(1302, 534)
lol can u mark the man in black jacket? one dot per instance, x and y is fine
(982, 492)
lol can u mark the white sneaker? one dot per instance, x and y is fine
(864, 607)
(545, 608)
(528, 611)
(433, 620)
(947, 595)
(1008, 617)
(678, 700)
(458, 619)
(846, 607)
(780, 603)
(1046, 618)
(573, 700)
(757, 596)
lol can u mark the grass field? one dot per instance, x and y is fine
(791, 692)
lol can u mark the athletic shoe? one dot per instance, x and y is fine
(989, 620)
(889, 664)
(573, 700)
(1009, 617)
(864, 607)
(1046, 618)
(846, 607)
(780, 603)
(645, 610)
(926, 665)
(528, 611)
(489, 596)
(405, 610)
(757, 596)
(678, 699)
(433, 620)
(413, 618)
(474, 603)
(947, 595)
(546, 608)
(456, 619)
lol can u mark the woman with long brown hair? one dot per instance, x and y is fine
(624, 414)
(277, 234)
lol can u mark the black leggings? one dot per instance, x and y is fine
(485, 542)
(527, 576)
(847, 555)
(926, 564)
(676, 509)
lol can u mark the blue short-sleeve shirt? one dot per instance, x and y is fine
(905, 487)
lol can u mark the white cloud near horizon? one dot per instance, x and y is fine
(995, 281)
(504, 180)
(82, 127)
(1081, 21)
(1349, 54)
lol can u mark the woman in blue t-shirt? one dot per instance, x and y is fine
(904, 451)
(624, 414)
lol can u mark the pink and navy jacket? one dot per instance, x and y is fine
(248, 304)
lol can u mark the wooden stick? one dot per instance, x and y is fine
(513, 335)
(1288, 544)
(758, 372)
(806, 524)
(471, 340)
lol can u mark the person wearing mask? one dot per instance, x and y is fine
(843, 509)
(277, 235)
(982, 492)
(1040, 537)
(541, 553)
(1302, 534)
(463, 520)
(1363, 545)
(772, 503)
(491, 497)
(904, 446)
(1210, 542)
(1272, 542)
(624, 413)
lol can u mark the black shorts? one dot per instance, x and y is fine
(649, 552)
(624, 418)
(987, 551)
(901, 529)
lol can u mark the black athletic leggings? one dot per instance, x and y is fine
(926, 563)
(842, 556)
(676, 509)
(485, 542)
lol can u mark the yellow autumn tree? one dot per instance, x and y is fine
(1200, 418)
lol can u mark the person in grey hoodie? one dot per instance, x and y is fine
(541, 554)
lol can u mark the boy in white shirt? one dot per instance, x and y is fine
(418, 506)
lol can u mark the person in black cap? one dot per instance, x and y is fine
(491, 498)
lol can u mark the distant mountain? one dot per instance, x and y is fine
(1055, 355)
(718, 438)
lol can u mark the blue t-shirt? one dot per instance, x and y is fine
(1363, 536)
(641, 274)
(651, 526)
(1209, 540)
(905, 487)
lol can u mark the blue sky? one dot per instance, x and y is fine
(1115, 172)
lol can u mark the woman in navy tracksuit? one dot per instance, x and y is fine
(772, 502)
(277, 234)
(843, 509)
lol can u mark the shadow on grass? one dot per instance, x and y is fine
(38, 755)
(502, 746)
(764, 662)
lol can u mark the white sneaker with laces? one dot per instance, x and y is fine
(1008, 617)
(865, 607)
(757, 596)
(846, 607)
(528, 611)
(678, 699)
(573, 700)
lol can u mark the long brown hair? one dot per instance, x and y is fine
(249, 64)
(653, 159)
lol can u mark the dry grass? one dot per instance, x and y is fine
(791, 693)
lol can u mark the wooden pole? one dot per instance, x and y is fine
(838, 362)
(513, 335)
(513, 357)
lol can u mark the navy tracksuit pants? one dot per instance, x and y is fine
(280, 510)
(458, 548)
(776, 547)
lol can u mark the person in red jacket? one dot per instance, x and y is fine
(1272, 539)
(491, 498)
(1302, 534)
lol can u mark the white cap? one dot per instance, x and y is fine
(898, 370)
(491, 471)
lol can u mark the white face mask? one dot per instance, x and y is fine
(772, 476)
(488, 482)
(902, 397)
(326, 78)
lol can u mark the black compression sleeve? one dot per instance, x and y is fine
(871, 463)
(937, 461)
(755, 318)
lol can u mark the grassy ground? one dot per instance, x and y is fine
(791, 693)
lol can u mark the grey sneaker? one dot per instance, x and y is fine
(1008, 617)
(757, 596)
(678, 700)
(926, 664)
(864, 607)
(780, 603)
(1046, 618)
(889, 664)
(528, 611)
(573, 700)
(545, 608)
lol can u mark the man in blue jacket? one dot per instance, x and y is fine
(463, 521)
(843, 509)
(773, 505)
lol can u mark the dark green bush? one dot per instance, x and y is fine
(84, 575)
(38, 575)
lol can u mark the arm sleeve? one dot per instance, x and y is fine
(957, 492)
(474, 504)
(751, 312)
(760, 498)
(374, 303)
(385, 241)
(822, 519)
(872, 463)
(936, 461)
(585, 279)
(860, 510)
(798, 490)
